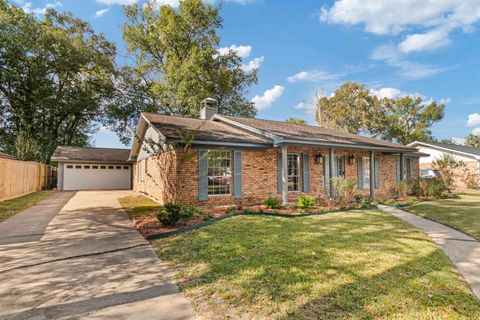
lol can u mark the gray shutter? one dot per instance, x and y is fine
(203, 175)
(360, 172)
(279, 173)
(326, 173)
(398, 170)
(306, 173)
(335, 166)
(377, 172)
(237, 178)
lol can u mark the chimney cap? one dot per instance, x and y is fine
(209, 107)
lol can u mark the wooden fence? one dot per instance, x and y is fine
(22, 177)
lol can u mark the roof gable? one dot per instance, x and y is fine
(68, 153)
(452, 147)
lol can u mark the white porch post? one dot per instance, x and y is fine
(284, 175)
(372, 175)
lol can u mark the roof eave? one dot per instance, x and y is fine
(476, 157)
(347, 146)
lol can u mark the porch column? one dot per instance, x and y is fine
(401, 166)
(330, 169)
(284, 175)
(372, 175)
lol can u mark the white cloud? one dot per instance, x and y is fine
(253, 64)
(459, 140)
(27, 7)
(120, 2)
(101, 13)
(241, 1)
(309, 108)
(387, 93)
(268, 97)
(314, 76)
(407, 69)
(435, 19)
(242, 51)
(473, 119)
(476, 131)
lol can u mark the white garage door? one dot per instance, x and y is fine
(96, 176)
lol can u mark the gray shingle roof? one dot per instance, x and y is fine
(314, 133)
(455, 147)
(65, 153)
(204, 130)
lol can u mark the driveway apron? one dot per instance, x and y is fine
(90, 264)
(463, 250)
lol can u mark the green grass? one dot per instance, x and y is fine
(462, 214)
(11, 207)
(361, 264)
(139, 205)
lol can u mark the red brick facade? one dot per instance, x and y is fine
(259, 174)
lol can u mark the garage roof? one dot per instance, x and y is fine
(107, 155)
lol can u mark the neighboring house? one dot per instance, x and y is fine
(470, 156)
(93, 168)
(241, 160)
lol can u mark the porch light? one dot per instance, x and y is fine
(351, 159)
(319, 158)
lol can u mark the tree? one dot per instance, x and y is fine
(448, 166)
(54, 76)
(295, 120)
(472, 140)
(177, 64)
(354, 109)
(449, 141)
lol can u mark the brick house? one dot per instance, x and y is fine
(236, 160)
(468, 155)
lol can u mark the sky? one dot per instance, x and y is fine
(305, 49)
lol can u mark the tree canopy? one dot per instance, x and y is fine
(177, 65)
(54, 75)
(472, 140)
(295, 120)
(354, 109)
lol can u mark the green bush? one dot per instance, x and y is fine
(306, 202)
(436, 188)
(272, 202)
(363, 202)
(171, 213)
(345, 190)
(408, 187)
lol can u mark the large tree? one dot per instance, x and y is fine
(472, 140)
(176, 64)
(55, 74)
(354, 109)
(295, 120)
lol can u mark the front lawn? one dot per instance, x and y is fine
(361, 264)
(462, 213)
(11, 207)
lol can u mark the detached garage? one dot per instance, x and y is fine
(93, 168)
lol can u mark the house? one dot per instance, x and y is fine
(236, 160)
(470, 156)
(93, 168)
(225, 160)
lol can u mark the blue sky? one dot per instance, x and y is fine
(307, 48)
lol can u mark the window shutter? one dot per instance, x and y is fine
(377, 172)
(335, 166)
(306, 173)
(237, 178)
(326, 173)
(202, 175)
(398, 170)
(279, 173)
(360, 172)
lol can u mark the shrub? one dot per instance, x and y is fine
(407, 187)
(448, 167)
(345, 190)
(471, 179)
(363, 202)
(389, 189)
(436, 188)
(272, 202)
(306, 202)
(171, 213)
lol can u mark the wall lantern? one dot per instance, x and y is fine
(319, 158)
(351, 159)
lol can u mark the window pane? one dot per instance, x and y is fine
(219, 170)
(293, 172)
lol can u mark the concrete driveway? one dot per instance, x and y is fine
(90, 263)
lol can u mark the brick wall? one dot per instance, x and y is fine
(458, 181)
(260, 176)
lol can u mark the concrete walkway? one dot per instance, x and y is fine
(30, 225)
(90, 264)
(463, 250)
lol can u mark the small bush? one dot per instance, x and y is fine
(436, 188)
(407, 187)
(363, 202)
(171, 213)
(272, 202)
(345, 190)
(471, 179)
(306, 202)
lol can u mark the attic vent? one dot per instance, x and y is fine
(208, 107)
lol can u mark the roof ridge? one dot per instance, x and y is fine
(104, 148)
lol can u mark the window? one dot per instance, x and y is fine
(78, 167)
(339, 168)
(118, 167)
(219, 166)
(94, 167)
(293, 172)
(86, 167)
(103, 167)
(126, 167)
(69, 166)
(407, 169)
(111, 167)
(365, 183)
